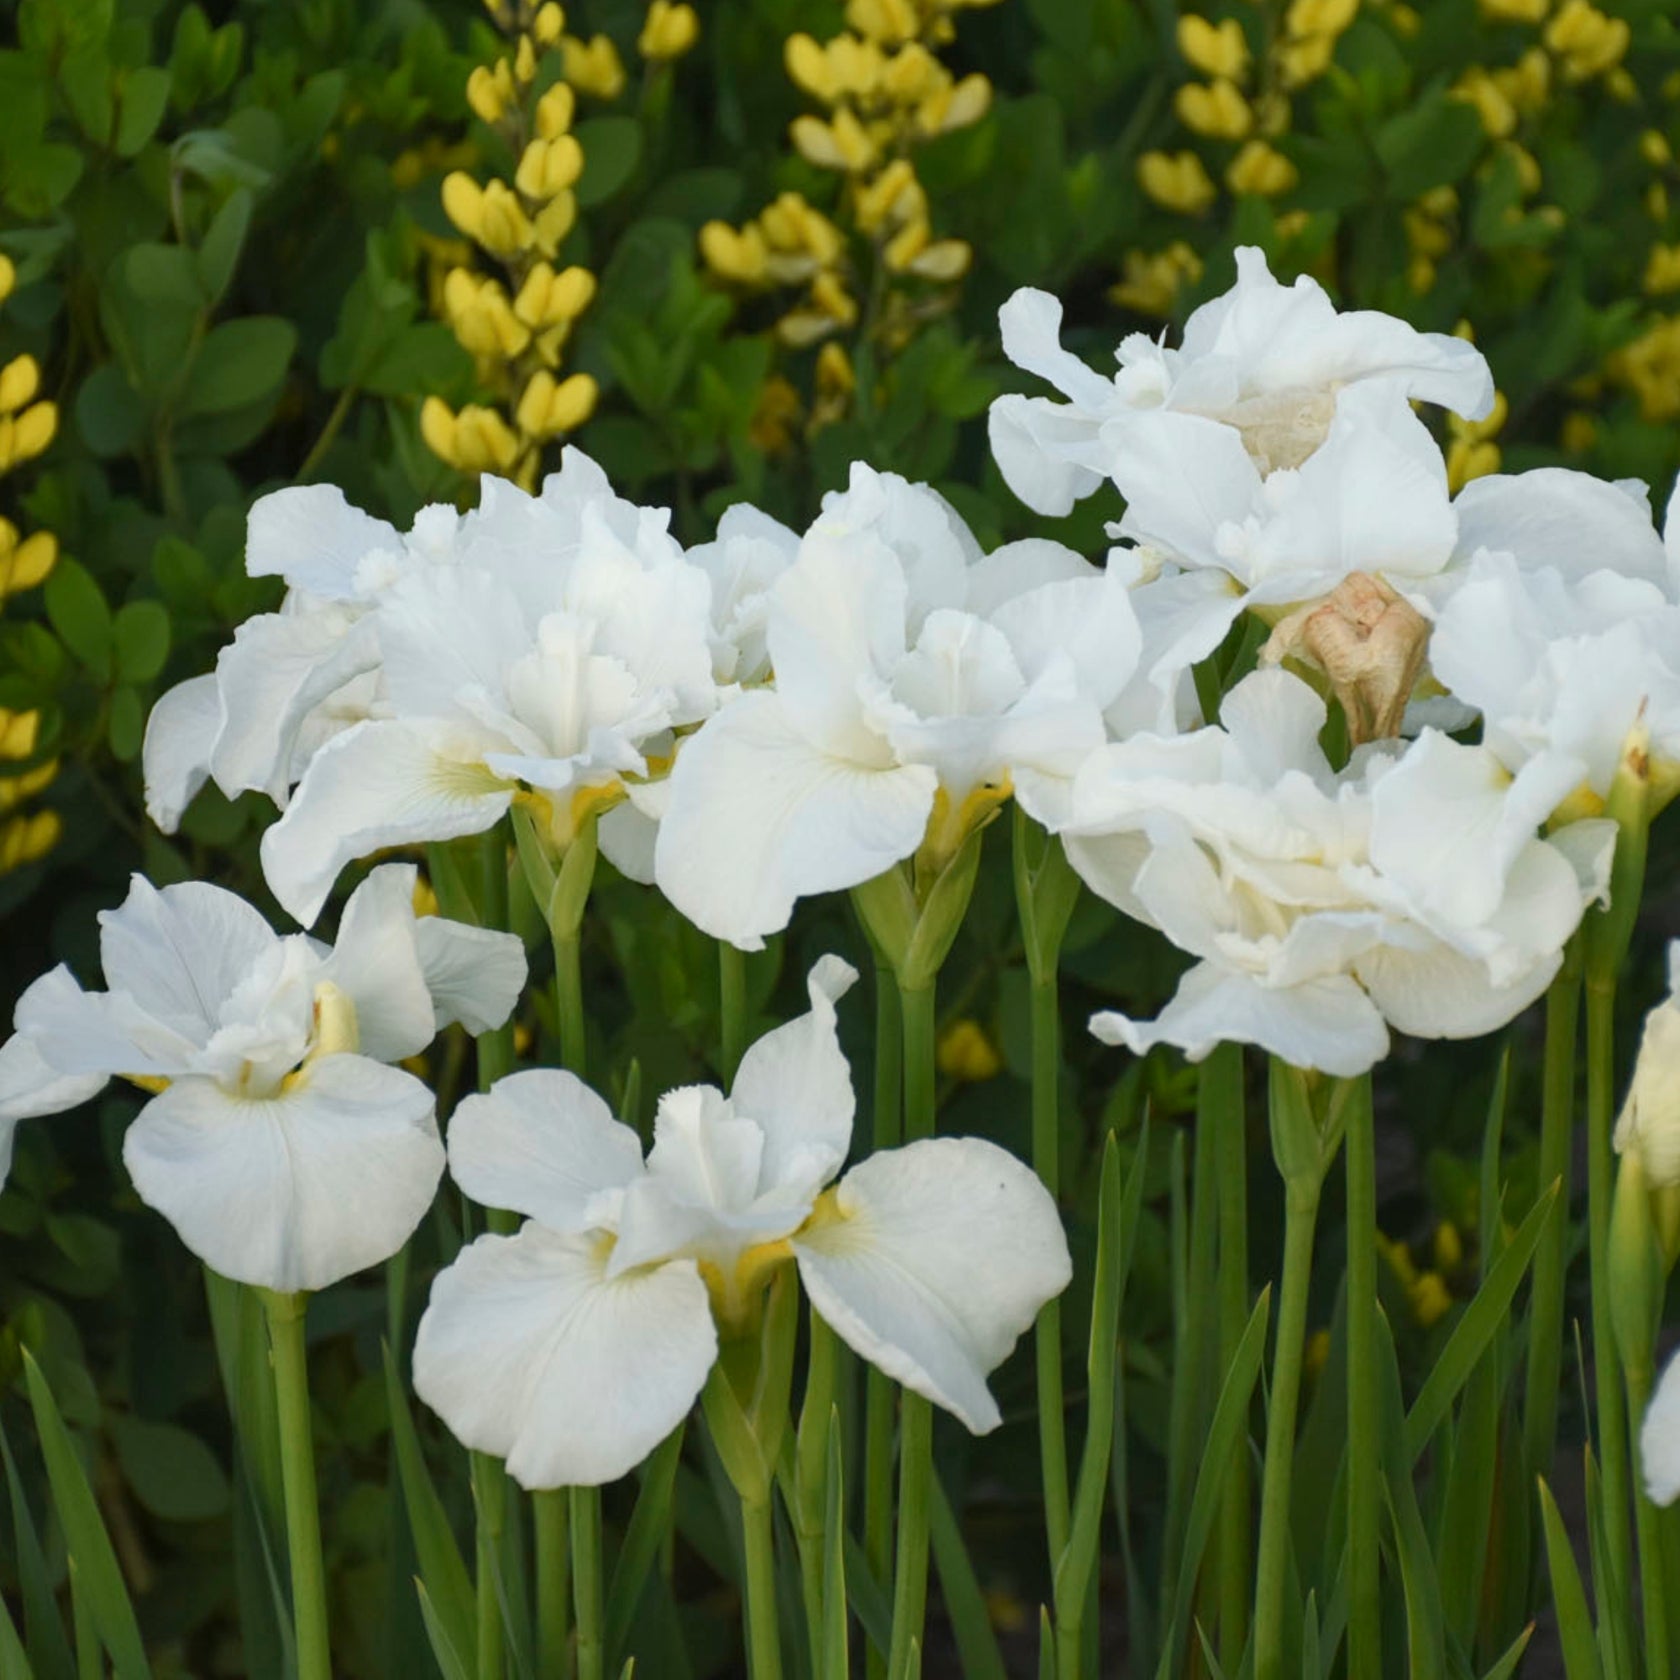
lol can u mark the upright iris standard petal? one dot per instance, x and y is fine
(936, 1258)
(530, 1351)
(540, 1142)
(297, 1190)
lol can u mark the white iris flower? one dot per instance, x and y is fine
(573, 1347)
(281, 1144)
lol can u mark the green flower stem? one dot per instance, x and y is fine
(1272, 1567)
(1612, 1425)
(1222, 1074)
(285, 1315)
(586, 1580)
(489, 1487)
(1557, 1124)
(878, 1391)
(495, 1048)
(1052, 1412)
(1364, 1494)
(568, 989)
(553, 1536)
(811, 1464)
(1653, 1567)
(732, 1006)
(915, 1453)
(764, 1650)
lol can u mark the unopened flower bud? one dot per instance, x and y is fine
(668, 32)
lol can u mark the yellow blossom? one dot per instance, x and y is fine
(555, 111)
(770, 429)
(593, 66)
(668, 31)
(1430, 1299)
(1656, 201)
(19, 732)
(1216, 49)
(1514, 11)
(546, 299)
(1649, 366)
(549, 408)
(26, 435)
(1586, 40)
(888, 22)
(548, 25)
(1655, 149)
(14, 790)
(957, 105)
(1215, 109)
(1420, 274)
(1177, 181)
(1579, 432)
(481, 316)
(1319, 17)
(1479, 89)
(734, 255)
(1527, 84)
(24, 564)
(1150, 283)
(1305, 60)
(27, 839)
(1528, 166)
(1468, 459)
(841, 143)
(1662, 269)
(490, 91)
(1262, 169)
(8, 277)
(474, 440)
(965, 1052)
(548, 167)
(20, 379)
(1449, 1247)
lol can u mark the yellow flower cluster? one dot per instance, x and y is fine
(1471, 449)
(28, 423)
(885, 92)
(1150, 283)
(966, 1054)
(515, 321)
(1429, 235)
(1428, 1292)
(1649, 367)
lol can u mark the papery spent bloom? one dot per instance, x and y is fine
(547, 666)
(1259, 369)
(573, 1347)
(1563, 629)
(281, 1144)
(1408, 891)
(1650, 1119)
(917, 684)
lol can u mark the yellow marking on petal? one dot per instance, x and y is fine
(738, 1291)
(155, 1083)
(336, 1032)
(950, 825)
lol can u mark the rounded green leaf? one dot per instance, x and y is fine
(239, 363)
(171, 1472)
(141, 635)
(76, 606)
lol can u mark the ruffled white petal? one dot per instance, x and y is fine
(298, 1190)
(377, 785)
(99, 1032)
(180, 736)
(30, 1088)
(475, 975)
(313, 538)
(541, 1143)
(1569, 521)
(530, 1352)
(796, 1084)
(1041, 449)
(940, 1257)
(759, 818)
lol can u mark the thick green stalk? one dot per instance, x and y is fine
(554, 1565)
(915, 1492)
(732, 1007)
(1557, 1124)
(1222, 1112)
(1612, 1424)
(297, 1468)
(586, 1580)
(568, 988)
(915, 1449)
(1653, 1569)
(878, 1386)
(495, 1048)
(489, 1484)
(1272, 1564)
(1046, 1124)
(1364, 1493)
(811, 1464)
(764, 1650)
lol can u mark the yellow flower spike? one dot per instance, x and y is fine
(1150, 284)
(437, 429)
(1216, 49)
(1477, 88)
(1261, 169)
(888, 22)
(911, 74)
(525, 61)
(504, 229)
(875, 202)
(829, 295)
(668, 32)
(954, 107)
(19, 732)
(1306, 60)
(25, 564)
(1655, 149)
(8, 277)
(15, 789)
(553, 222)
(943, 260)
(548, 25)
(841, 144)
(485, 96)
(1469, 458)
(1449, 1247)
(483, 441)
(1319, 17)
(1662, 270)
(26, 839)
(548, 167)
(1430, 1300)
(1178, 181)
(29, 433)
(1586, 41)
(1215, 109)
(555, 111)
(547, 298)
(808, 68)
(593, 66)
(738, 256)
(965, 1053)
(1514, 11)
(20, 379)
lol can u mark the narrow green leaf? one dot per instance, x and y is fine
(1569, 1598)
(1046, 1646)
(1225, 1432)
(1467, 1508)
(1491, 1209)
(50, 1650)
(1507, 1664)
(642, 1540)
(84, 1534)
(868, 1601)
(1471, 1335)
(447, 1595)
(1612, 1596)
(14, 1662)
(836, 1655)
(447, 1656)
(965, 1604)
(1426, 1631)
